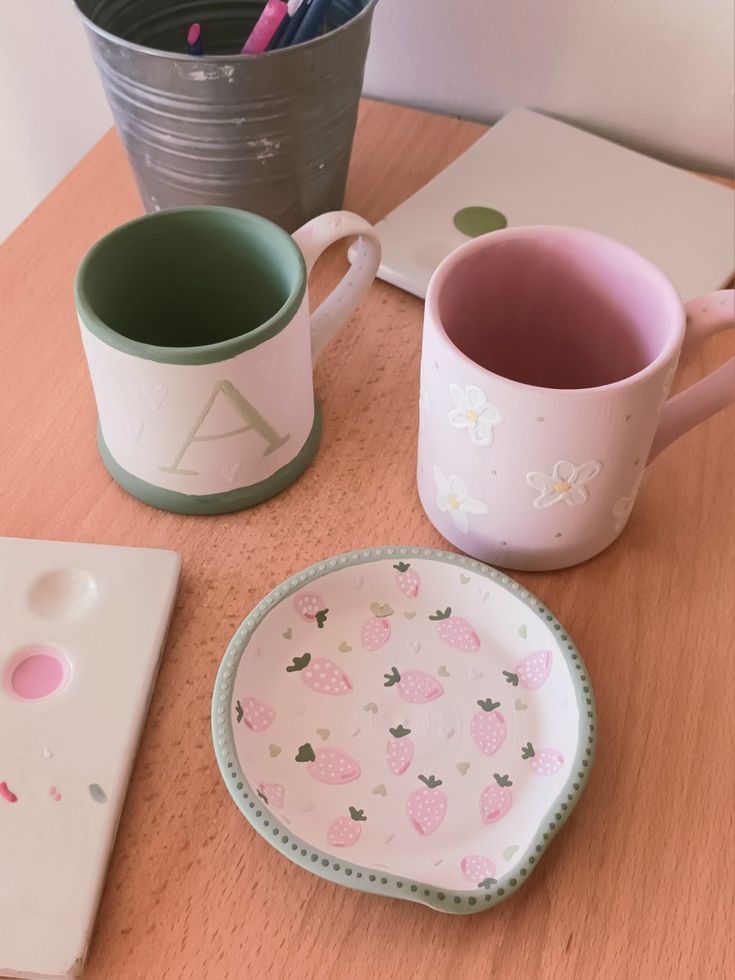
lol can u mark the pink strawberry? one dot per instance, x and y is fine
(455, 630)
(345, 831)
(272, 793)
(488, 728)
(414, 686)
(321, 675)
(256, 715)
(399, 750)
(427, 806)
(545, 761)
(479, 870)
(329, 765)
(532, 671)
(310, 607)
(407, 579)
(375, 633)
(496, 799)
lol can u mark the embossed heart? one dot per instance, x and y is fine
(274, 750)
(509, 852)
(522, 631)
(154, 393)
(483, 594)
(229, 473)
(414, 647)
(462, 768)
(381, 609)
(464, 579)
(410, 615)
(287, 634)
(520, 705)
(380, 790)
(443, 672)
(134, 428)
(474, 673)
(323, 733)
(371, 707)
(344, 647)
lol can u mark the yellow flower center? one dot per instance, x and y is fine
(472, 417)
(453, 502)
(562, 487)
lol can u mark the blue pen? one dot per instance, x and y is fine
(294, 24)
(312, 22)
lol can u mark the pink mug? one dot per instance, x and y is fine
(548, 356)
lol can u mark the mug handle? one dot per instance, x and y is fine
(706, 316)
(313, 239)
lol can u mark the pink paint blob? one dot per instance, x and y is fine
(38, 672)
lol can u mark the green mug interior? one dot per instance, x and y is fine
(191, 285)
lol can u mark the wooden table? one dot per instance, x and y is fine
(640, 882)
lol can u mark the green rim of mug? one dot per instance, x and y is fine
(205, 353)
(213, 503)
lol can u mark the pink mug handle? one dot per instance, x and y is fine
(706, 315)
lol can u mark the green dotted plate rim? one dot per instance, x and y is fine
(355, 876)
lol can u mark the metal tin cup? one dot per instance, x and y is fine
(269, 133)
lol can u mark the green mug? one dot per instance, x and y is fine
(199, 340)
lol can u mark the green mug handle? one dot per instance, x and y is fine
(313, 239)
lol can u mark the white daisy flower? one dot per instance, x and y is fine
(452, 497)
(475, 413)
(621, 512)
(567, 482)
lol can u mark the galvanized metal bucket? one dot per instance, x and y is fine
(269, 133)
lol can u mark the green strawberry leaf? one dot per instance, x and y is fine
(393, 678)
(430, 781)
(321, 618)
(486, 883)
(488, 704)
(357, 814)
(502, 780)
(305, 753)
(402, 566)
(442, 615)
(511, 678)
(400, 731)
(299, 663)
(239, 712)
(527, 751)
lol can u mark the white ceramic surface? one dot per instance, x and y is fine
(347, 713)
(65, 758)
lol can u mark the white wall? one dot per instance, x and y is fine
(52, 109)
(656, 75)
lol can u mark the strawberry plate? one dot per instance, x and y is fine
(407, 722)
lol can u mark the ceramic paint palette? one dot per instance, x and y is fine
(83, 628)
(408, 722)
(533, 170)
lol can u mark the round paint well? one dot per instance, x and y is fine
(36, 672)
(63, 594)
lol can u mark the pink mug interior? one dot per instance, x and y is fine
(556, 307)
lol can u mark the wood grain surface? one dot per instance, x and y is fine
(640, 882)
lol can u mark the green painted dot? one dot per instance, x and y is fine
(501, 891)
(336, 867)
(372, 877)
(414, 888)
(472, 901)
(325, 862)
(514, 882)
(457, 899)
(348, 871)
(476, 220)
(427, 892)
(441, 896)
(399, 884)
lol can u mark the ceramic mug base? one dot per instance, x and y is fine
(213, 503)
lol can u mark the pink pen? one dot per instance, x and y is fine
(266, 26)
